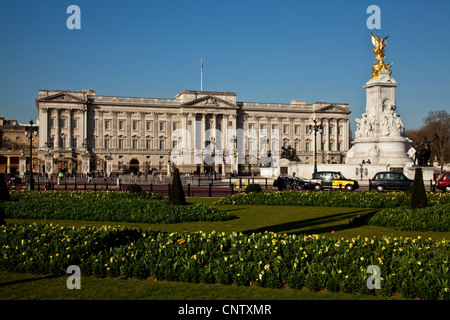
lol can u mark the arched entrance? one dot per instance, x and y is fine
(134, 166)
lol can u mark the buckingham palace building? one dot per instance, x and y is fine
(196, 131)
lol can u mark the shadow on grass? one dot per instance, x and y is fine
(293, 226)
(50, 276)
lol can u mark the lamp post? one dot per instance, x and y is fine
(315, 128)
(29, 131)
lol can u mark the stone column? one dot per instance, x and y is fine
(155, 143)
(141, 140)
(115, 135)
(169, 131)
(57, 132)
(43, 127)
(81, 128)
(100, 143)
(69, 129)
(128, 131)
(8, 164)
(84, 132)
(203, 132)
(203, 140)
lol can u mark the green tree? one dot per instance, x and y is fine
(176, 195)
(418, 194)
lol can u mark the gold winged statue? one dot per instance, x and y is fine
(379, 44)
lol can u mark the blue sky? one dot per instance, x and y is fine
(265, 51)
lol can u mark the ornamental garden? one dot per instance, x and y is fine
(305, 241)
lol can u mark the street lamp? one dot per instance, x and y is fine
(29, 130)
(316, 128)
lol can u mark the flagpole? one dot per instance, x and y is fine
(201, 76)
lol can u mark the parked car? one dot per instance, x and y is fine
(391, 181)
(443, 182)
(332, 180)
(294, 183)
(11, 178)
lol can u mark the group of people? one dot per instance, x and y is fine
(279, 181)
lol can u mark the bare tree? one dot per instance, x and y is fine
(436, 126)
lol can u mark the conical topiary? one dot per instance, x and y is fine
(4, 192)
(418, 194)
(176, 195)
(2, 216)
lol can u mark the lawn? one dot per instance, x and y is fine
(332, 222)
(18, 286)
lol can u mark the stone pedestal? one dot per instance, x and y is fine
(22, 166)
(380, 135)
(85, 163)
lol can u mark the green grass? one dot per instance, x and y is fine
(15, 286)
(280, 219)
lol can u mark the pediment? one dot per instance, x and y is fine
(210, 101)
(333, 108)
(62, 97)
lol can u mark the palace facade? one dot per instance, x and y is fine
(197, 131)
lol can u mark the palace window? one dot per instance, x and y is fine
(135, 144)
(162, 126)
(74, 143)
(161, 144)
(120, 144)
(297, 129)
(148, 125)
(307, 146)
(175, 126)
(121, 124)
(51, 123)
(107, 124)
(262, 129)
(62, 142)
(62, 123)
(285, 129)
(135, 125)
(148, 144)
(106, 143)
(274, 128)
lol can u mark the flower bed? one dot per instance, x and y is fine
(330, 199)
(411, 267)
(106, 206)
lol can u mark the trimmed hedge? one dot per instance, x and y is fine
(106, 206)
(356, 199)
(435, 218)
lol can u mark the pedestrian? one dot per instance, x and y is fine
(280, 182)
(48, 185)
